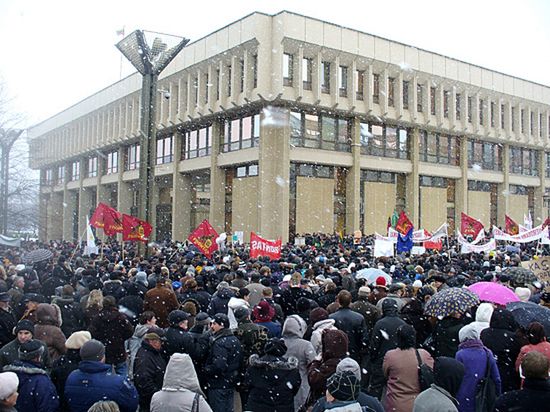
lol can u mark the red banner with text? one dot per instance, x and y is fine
(263, 247)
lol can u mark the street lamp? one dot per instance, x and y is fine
(7, 139)
(149, 53)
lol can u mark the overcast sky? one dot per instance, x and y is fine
(57, 52)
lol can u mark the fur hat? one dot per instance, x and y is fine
(78, 339)
(275, 347)
(221, 319)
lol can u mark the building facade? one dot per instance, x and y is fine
(284, 124)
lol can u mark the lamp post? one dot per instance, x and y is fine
(7, 139)
(149, 60)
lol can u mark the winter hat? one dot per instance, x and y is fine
(141, 277)
(154, 333)
(303, 304)
(295, 279)
(221, 319)
(30, 350)
(275, 347)
(176, 285)
(241, 313)
(24, 325)
(222, 285)
(417, 283)
(351, 365)
(5, 297)
(318, 314)
(177, 316)
(381, 282)
(8, 384)
(263, 312)
(93, 350)
(78, 339)
(202, 319)
(344, 386)
(523, 294)
(364, 291)
(67, 291)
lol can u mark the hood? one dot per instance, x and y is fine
(484, 312)
(46, 314)
(294, 327)
(324, 324)
(180, 375)
(141, 330)
(94, 367)
(503, 319)
(224, 293)
(273, 362)
(448, 374)
(335, 344)
(24, 367)
(349, 364)
(235, 303)
(389, 307)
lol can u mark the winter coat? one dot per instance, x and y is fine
(353, 324)
(542, 347)
(133, 344)
(473, 355)
(445, 337)
(224, 360)
(202, 297)
(36, 390)
(289, 297)
(273, 383)
(335, 348)
(501, 338)
(179, 388)
(61, 370)
(149, 367)
(92, 382)
(72, 315)
(255, 296)
(219, 302)
(327, 298)
(115, 289)
(132, 307)
(401, 371)
(178, 340)
(316, 334)
(273, 328)
(369, 311)
(294, 329)
(47, 330)
(7, 323)
(252, 337)
(483, 317)
(10, 353)
(49, 285)
(232, 306)
(161, 301)
(535, 394)
(413, 314)
(112, 328)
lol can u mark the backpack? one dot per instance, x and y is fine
(486, 393)
(425, 373)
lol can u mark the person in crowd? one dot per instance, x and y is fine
(343, 389)
(267, 295)
(483, 319)
(161, 300)
(68, 362)
(36, 390)
(352, 323)
(147, 320)
(362, 306)
(536, 337)
(24, 332)
(180, 388)
(400, 368)
(383, 339)
(502, 338)
(273, 380)
(177, 338)
(320, 322)
(263, 315)
(112, 328)
(48, 331)
(535, 393)
(132, 304)
(475, 357)
(441, 396)
(71, 311)
(255, 288)
(114, 287)
(7, 319)
(9, 383)
(294, 329)
(240, 300)
(93, 306)
(290, 296)
(413, 313)
(220, 300)
(445, 336)
(94, 381)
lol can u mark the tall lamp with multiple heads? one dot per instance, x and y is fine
(149, 53)
(7, 139)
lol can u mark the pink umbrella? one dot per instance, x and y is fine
(493, 292)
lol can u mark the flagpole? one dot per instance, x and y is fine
(77, 245)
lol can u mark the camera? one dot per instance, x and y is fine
(166, 95)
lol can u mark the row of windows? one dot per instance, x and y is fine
(439, 148)
(320, 132)
(241, 133)
(384, 141)
(484, 155)
(524, 161)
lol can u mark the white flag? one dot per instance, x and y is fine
(90, 247)
(440, 232)
(528, 221)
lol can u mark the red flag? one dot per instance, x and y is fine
(135, 229)
(512, 228)
(546, 222)
(404, 224)
(97, 219)
(263, 247)
(112, 220)
(470, 226)
(204, 238)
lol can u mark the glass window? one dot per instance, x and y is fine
(229, 78)
(165, 150)
(241, 171)
(431, 148)
(312, 133)
(288, 69)
(446, 96)
(92, 166)
(433, 91)
(246, 132)
(481, 111)
(256, 130)
(391, 91)
(255, 70)
(307, 72)
(328, 131)
(253, 170)
(325, 78)
(133, 155)
(502, 108)
(444, 157)
(296, 134)
(405, 94)
(48, 177)
(343, 81)
(360, 82)
(492, 114)
(203, 142)
(377, 134)
(403, 144)
(376, 88)
(419, 98)
(60, 174)
(391, 142)
(112, 162)
(364, 134)
(458, 109)
(470, 107)
(75, 171)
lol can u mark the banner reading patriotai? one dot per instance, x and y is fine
(263, 247)
(525, 237)
(204, 238)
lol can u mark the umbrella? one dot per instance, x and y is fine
(526, 312)
(493, 292)
(520, 276)
(37, 255)
(449, 301)
(370, 275)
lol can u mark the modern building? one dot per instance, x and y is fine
(285, 124)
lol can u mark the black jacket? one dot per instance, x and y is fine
(289, 297)
(149, 367)
(223, 362)
(384, 334)
(273, 383)
(201, 296)
(413, 313)
(219, 302)
(7, 323)
(178, 340)
(445, 337)
(61, 370)
(535, 396)
(71, 314)
(353, 324)
(114, 288)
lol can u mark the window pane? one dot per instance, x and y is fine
(329, 128)
(312, 130)
(247, 127)
(253, 170)
(432, 148)
(377, 140)
(391, 142)
(444, 149)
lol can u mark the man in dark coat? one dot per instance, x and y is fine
(222, 365)
(93, 382)
(192, 292)
(177, 338)
(220, 299)
(352, 323)
(535, 394)
(445, 336)
(71, 312)
(290, 296)
(114, 287)
(161, 300)
(24, 332)
(149, 367)
(413, 313)
(112, 328)
(362, 306)
(383, 339)
(61, 275)
(7, 319)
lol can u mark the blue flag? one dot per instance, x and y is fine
(405, 242)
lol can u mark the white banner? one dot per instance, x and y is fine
(439, 233)
(524, 237)
(462, 240)
(383, 247)
(471, 248)
(10, 241)
(419, 235)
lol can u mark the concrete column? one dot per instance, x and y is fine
(539, 212)
(413, 184)
(69, 210)
(353, 180)
(43, 217)
(55, 216)
(274, 169)
(84, 206)
(461, 187)
(125, 190)
(504, 187)
(181, 197)
(216, 215)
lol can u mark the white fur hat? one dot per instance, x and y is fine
(8, 384)
(523, 294)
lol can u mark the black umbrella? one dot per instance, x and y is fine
(526, 312)
(38, 255)
(520, 276)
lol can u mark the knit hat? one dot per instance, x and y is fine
(8, 384)
(222, 285)
(177, 316)
(275, 347)
(141, 277)
(381, 282)
(364, 291)
(263, 312)
(344, 386)
(5, 297)
(93, 350)
(202, 319)
(317, 315)
(30, 350)
(241, 313)
(78, 339)
(221, 319)
(24, 324)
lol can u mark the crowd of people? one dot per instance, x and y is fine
(177, 331)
